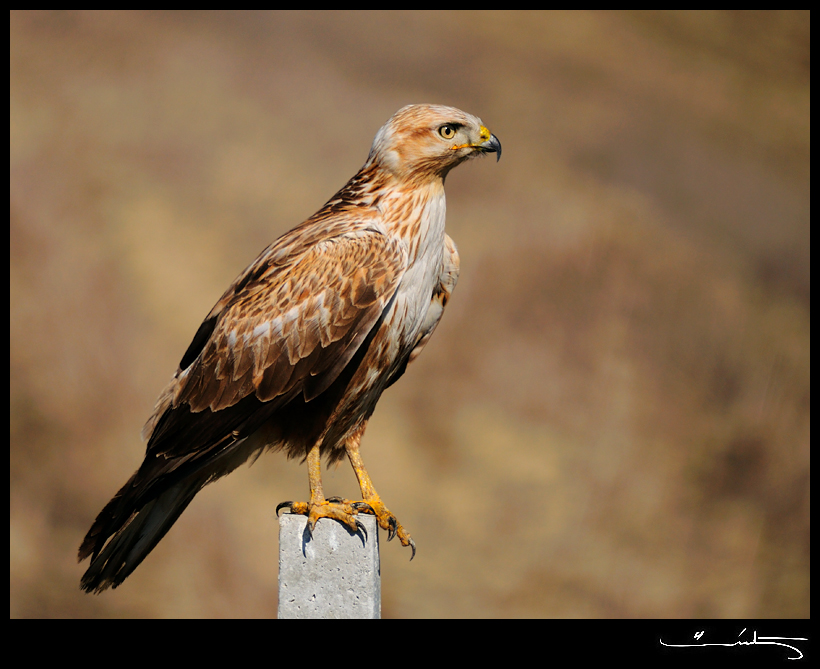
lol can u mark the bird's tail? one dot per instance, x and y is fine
(132, 536)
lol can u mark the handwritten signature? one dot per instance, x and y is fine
(755, 641)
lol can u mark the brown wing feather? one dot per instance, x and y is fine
(293, 323)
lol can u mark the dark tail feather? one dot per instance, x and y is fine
(145, 508)
(134, 537)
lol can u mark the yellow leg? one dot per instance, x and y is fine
(387, 521)
(319, 507)
(345, 510)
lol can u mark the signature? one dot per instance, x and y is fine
(755, 641)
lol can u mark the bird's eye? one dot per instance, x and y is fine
(447, 131)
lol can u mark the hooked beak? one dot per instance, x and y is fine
(491, 145)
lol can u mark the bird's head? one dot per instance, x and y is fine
(427, 141)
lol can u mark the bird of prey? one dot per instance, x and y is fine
(296, 353)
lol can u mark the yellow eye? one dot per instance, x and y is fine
(447, 131)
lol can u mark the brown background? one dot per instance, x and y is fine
(612, 419)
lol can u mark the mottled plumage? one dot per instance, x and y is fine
(298, 350)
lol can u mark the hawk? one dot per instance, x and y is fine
(297, 352)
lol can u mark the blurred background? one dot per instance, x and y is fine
(612, 419)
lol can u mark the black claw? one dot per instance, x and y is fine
(361, 527)
(335, 500)
(363, 506)
(413, 546)
(282, 505)
(391, 532)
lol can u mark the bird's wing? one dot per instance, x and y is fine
(293, 324)
(289, 324)
(448, 277)
(441, 295)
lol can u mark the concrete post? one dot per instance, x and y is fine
(333, 574)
